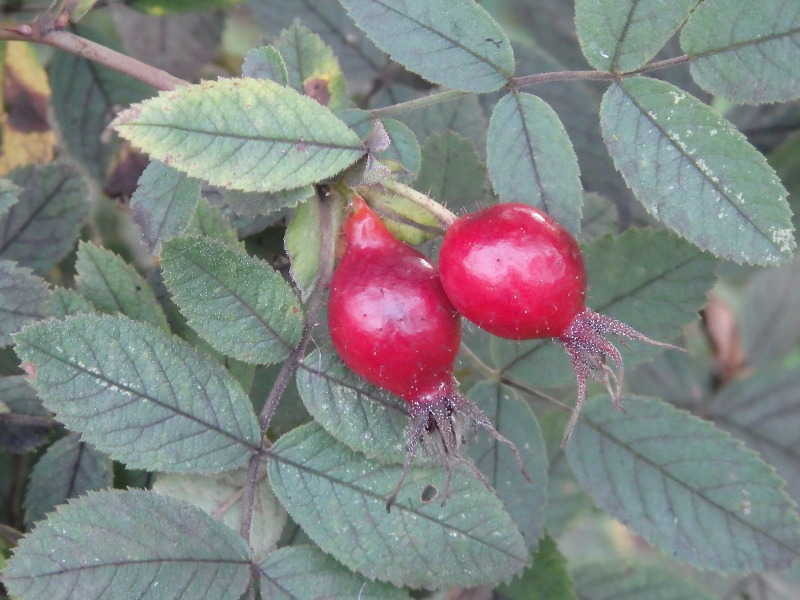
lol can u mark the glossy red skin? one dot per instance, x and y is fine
(389, 318)
(513, 271)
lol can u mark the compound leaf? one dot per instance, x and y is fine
(307, 572)
(531, 160)
(454, 43)
(686, 486)
(745, 51)
(452, 172)
(163, 204)
(142, 396)
(239, 304)
(265, 62)
(121, 544)
(693, 171)
(245, 134)
(469, 541)
(622, 36)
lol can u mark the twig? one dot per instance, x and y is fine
(75, 44)
(313, 307)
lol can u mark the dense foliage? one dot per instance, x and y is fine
(174, 176)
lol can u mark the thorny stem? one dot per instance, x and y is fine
(313, 307)
(75, 44)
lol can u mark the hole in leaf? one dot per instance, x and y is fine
(429, 493)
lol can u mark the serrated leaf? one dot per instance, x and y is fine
(650, 279)
(404, 150)
(145, 398)
(20, 398)
(69, 468)
(468, 542)
(63, 302)
(311, 66)
(239, 304)
(764, 411)
(9, 194)
(255, 204)
(22, 433)
(358, 414)
(463, 115)
(22, 298)
(452, 172)
(44, 224)
(265, 62)
(686, 486)
(695, 173)
(220, 496)
(210, 222)
(546, 579)
(745, 51)
(113, 286)
(308, 573)
(622, 36)
(358, 56)
(525, 501)
(86, 95)
(531, 160)
(121, 544)
(163, 204)
(630, 581)
(454, 43)
(245, 134)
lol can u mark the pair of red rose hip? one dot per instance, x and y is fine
(509, 268)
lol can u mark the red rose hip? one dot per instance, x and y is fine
(391, 323)
(515, 272)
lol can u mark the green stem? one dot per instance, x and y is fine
(444, 216)
(403, 107)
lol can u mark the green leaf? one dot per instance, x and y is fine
(622, 36)
(311, 66)
(265, 62)
(69, 468)
(650, 279)
(307, 572)
(64, 302)
(358, 414)
(9, 195)
(630, 581)
(22, 298)
(745, 51)
(695, 173)
(452, 172)
(145, 398)
(454, 43)
(220, 496)
(686, 486)
(86, 95)
(42, 227)
(253, 204)
(403, 151)
(121, 544)
(245, 134)
(162, 7)
(359, 57)
(239, 304)
(525, 501)
(210, 222)
(531, 160)
(470, 541)
(25, 424)
(163, 204)
(546, 579)
(764, 411)
(113, 286)
(463, 115)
